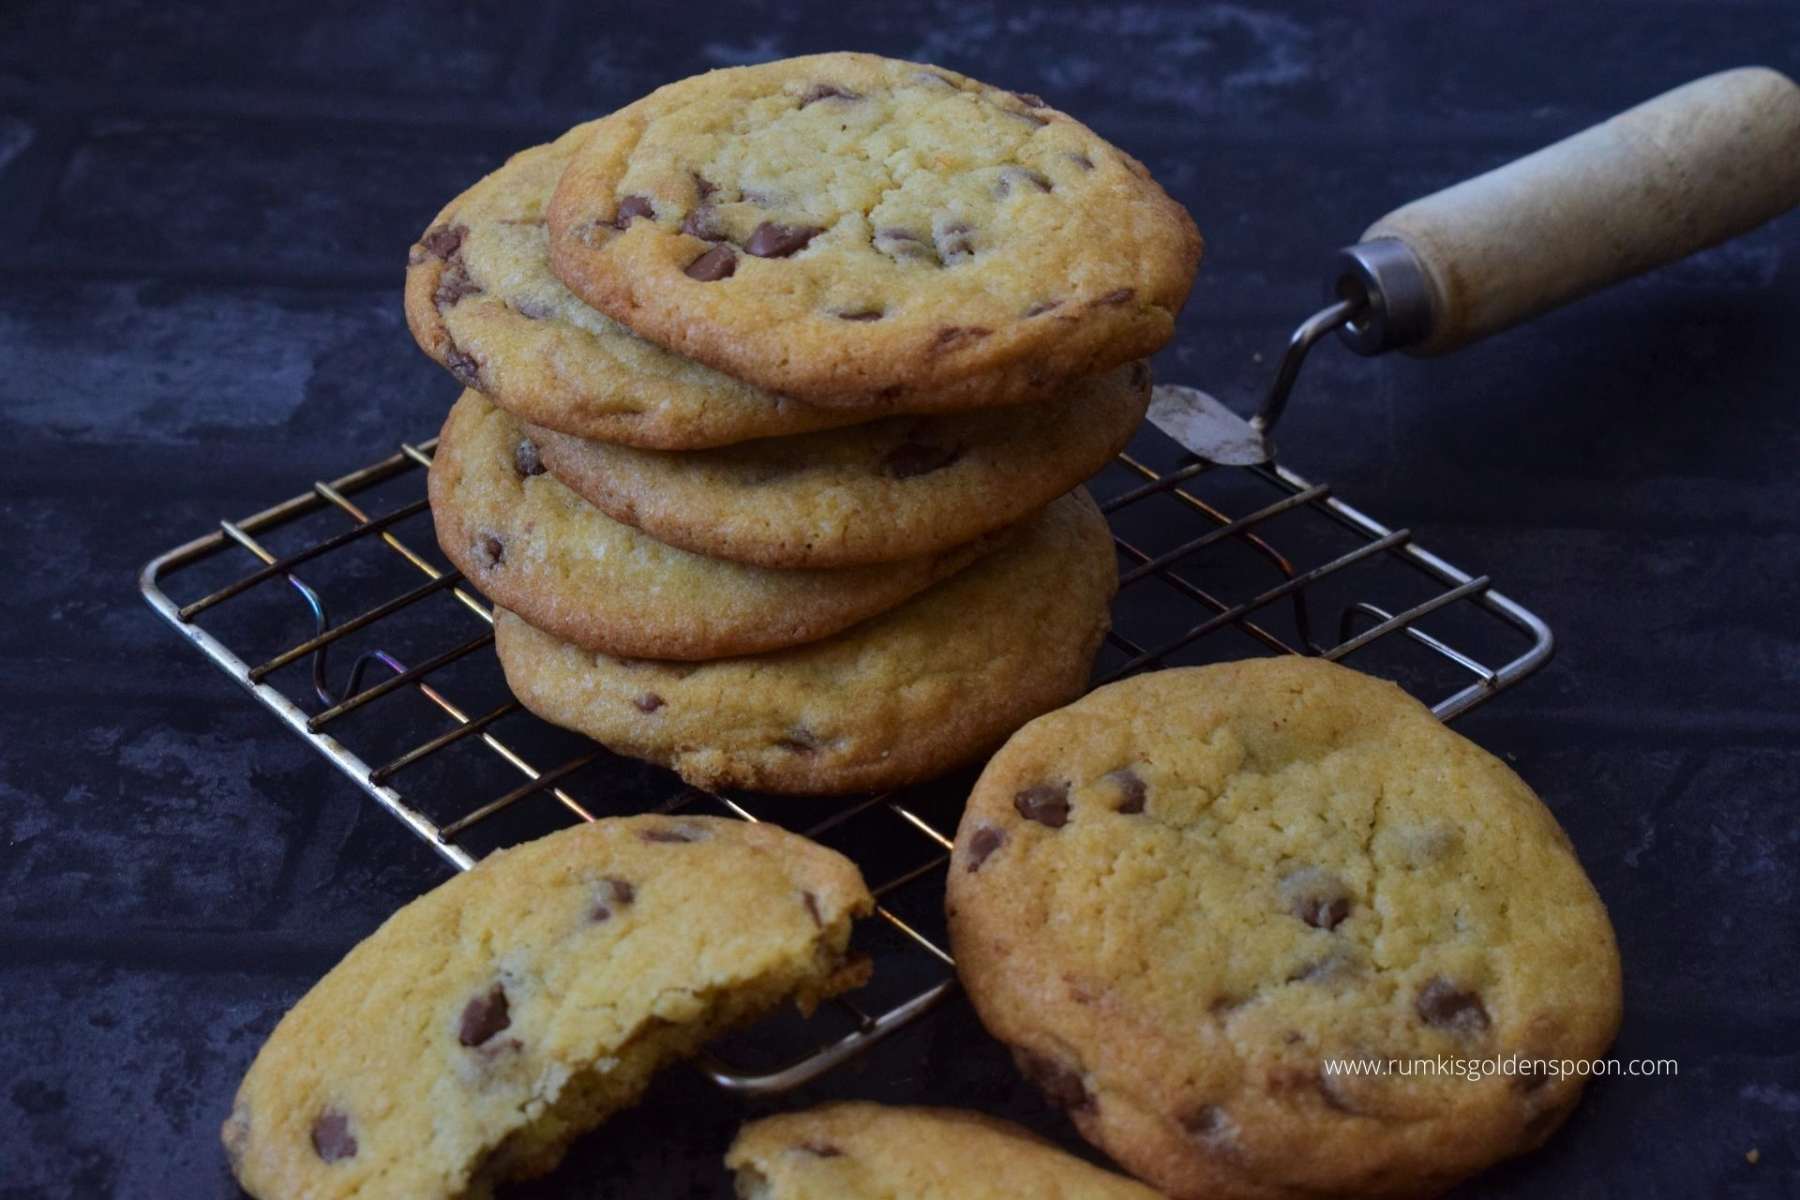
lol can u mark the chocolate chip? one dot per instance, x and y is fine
(954, 337)
(1082, 161)
(704, 223)
(1046, 803)
(1131, 790)
(630, 208)
(525, 458)
(532, 310)
(704, 186)
(812, 908)
(955, 243)
(615, 894)
(1442, 1004)
(444, 241)
(910, 459)
(1017, 179)
(799, 741)
(484, 1016)
(679, 834)
(770, 240)
(821, 1150)
(1209, 1123)
(331, 1136)
(648, 702)
(860, 314)
(1316, 896)
(826, 91)
(454, 284)
(1062, 1085)
(901, 244)
(493, 551)
(1042, 307)
(717, 263)
(1117, 297)
(466, 370)
(983, 843)
(1031, 100)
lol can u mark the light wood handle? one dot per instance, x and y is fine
(1676, 174)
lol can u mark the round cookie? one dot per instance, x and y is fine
(912, 693)
(532, 545)
(481, 301)
(896, 488)
(857, 1151)
(858, 231)
(1195, 901)
(484, 1025)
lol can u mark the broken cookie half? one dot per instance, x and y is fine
(486, 1024)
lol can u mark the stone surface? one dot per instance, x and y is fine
(203, 222)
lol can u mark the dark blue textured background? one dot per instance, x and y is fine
(203, 217)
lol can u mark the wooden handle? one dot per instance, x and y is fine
(1676, 174)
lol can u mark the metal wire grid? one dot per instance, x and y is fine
(1278, 617)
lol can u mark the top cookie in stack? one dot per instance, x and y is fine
(770, 351)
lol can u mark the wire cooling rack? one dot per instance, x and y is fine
(1215, 563)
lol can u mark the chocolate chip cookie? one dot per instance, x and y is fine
(871, 1152)
(856, 231)
(1237, 918)
(483, 1026)
(481, 301)
(896, 488)
(534, 546)
(907, 695)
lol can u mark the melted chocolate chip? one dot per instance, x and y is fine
(717, 263)
(1082, 161)
(1131, 790)
(331, 1136)
(525, 458)
(454, 284)
(955, 243)
(493, 551)
(704, 223)
(648, 702)
(615, 894)
(954, 337)
(821, 1150)
(1046, 803)
(826, 91)
(704, 186)
(466, 370)
(1209, 1123)
(812, 908)
(484, 1016)
(1042, 307)
(669, 835)
(444, 241)
(983, 843)
(1062, 1085)
(1316, 896)
(770, 240)
(1117, 297)
(911, 459)
(1442, 1004)
(630, 208)
(901, 244)
(860, 314)
(1014, 179)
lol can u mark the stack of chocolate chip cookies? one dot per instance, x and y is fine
(781, 384)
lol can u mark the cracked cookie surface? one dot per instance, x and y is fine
(532, 545)
(858, 1151)
(858, 231)
(481, 301)
(905, 696)
(482, 1027)
(1187, 900)
(896, 488)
